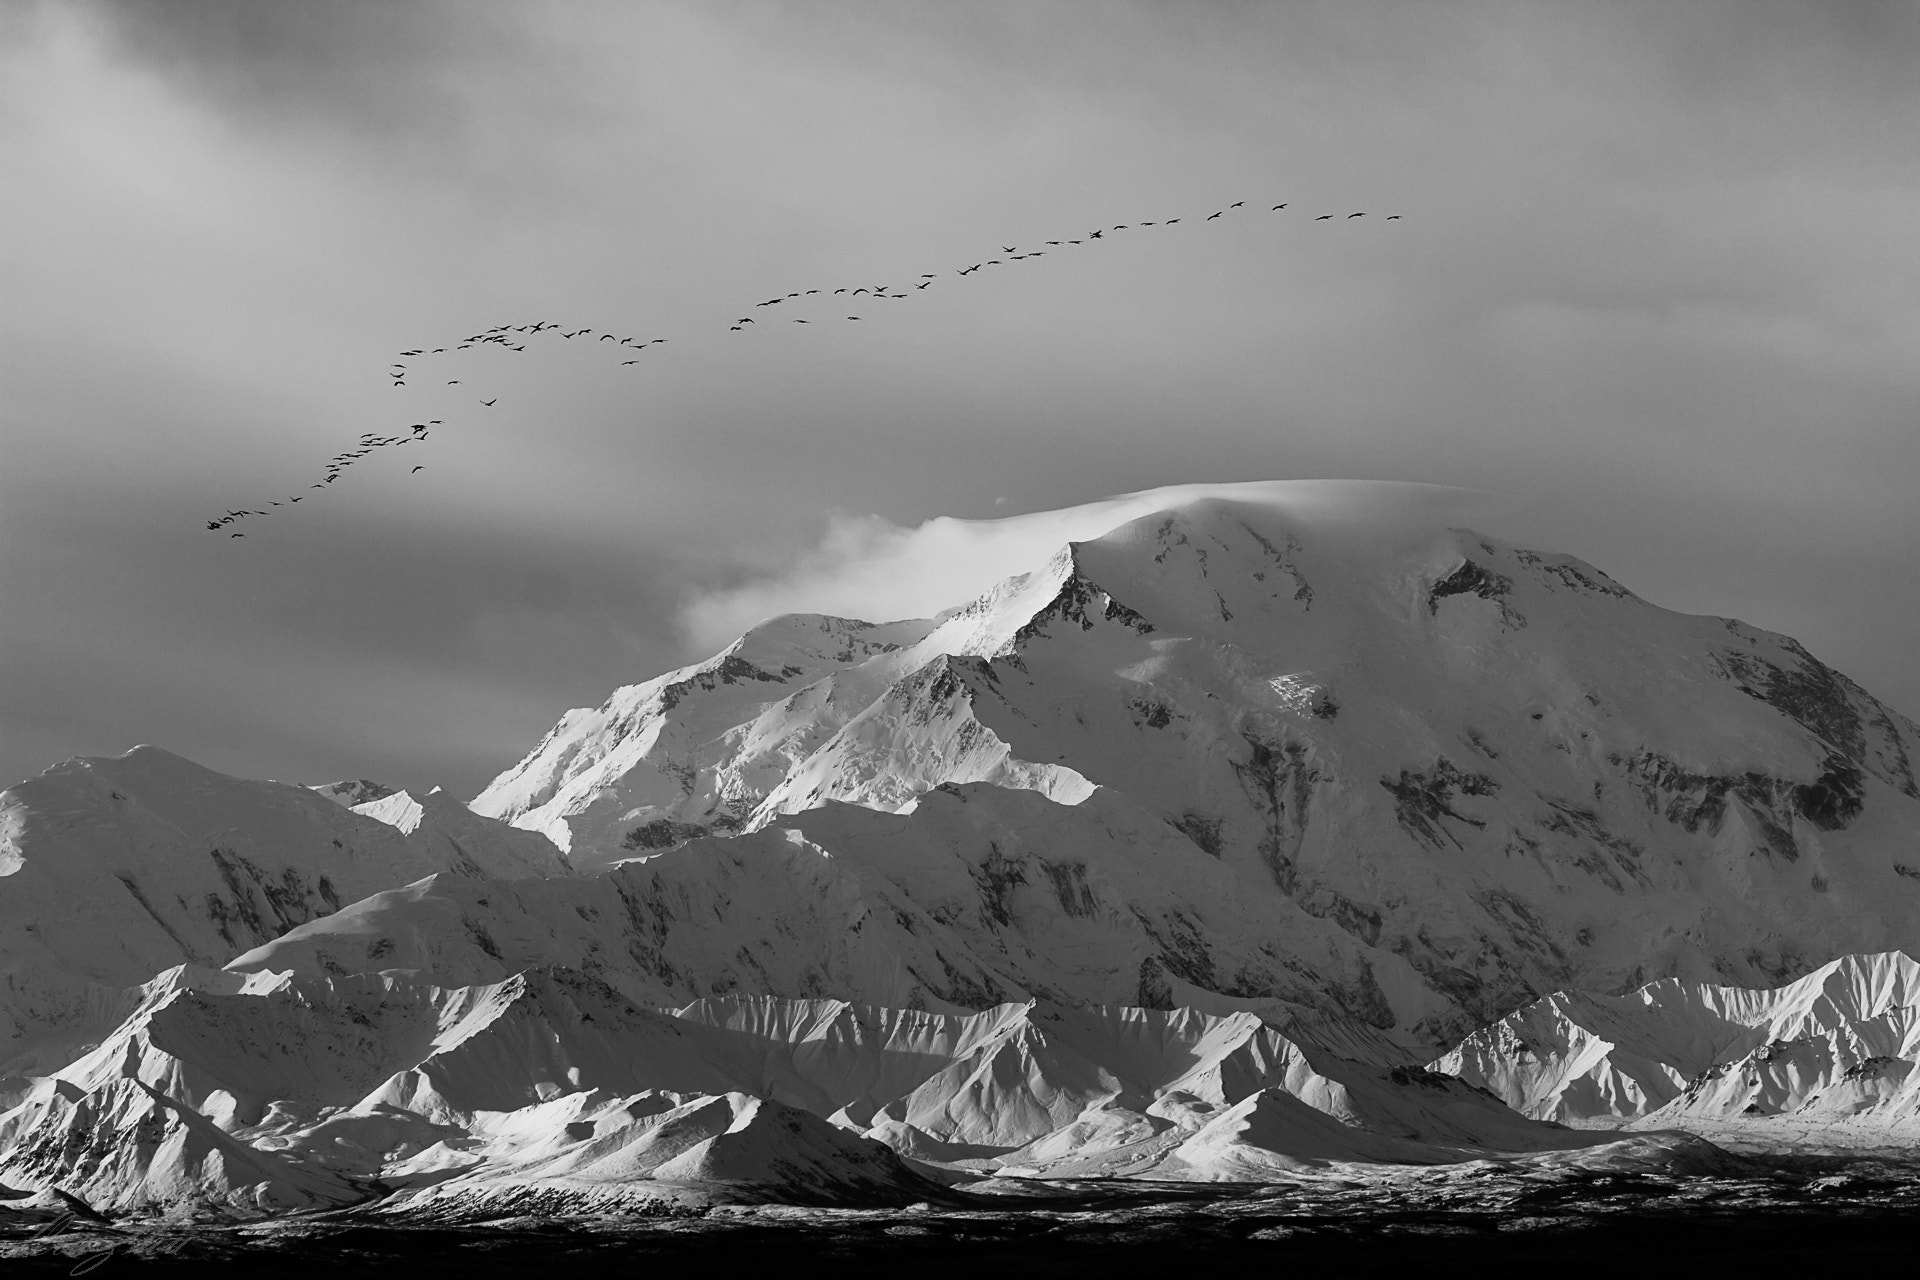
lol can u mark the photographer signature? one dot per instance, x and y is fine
(95, 1258)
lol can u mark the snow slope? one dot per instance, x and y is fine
(982, 894)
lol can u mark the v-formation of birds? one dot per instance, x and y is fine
(515, 337)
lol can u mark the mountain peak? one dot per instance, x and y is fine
(1493, 770)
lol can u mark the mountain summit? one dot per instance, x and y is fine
(1237, 752)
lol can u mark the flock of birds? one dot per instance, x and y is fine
(512, 337)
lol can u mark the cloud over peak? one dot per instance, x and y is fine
(868, 567)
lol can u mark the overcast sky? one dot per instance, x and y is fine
(1655, 291)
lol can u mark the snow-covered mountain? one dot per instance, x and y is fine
(1411, 777)
(266, 1092)
(1167, 858)
(114, 869)
(1841, 1043)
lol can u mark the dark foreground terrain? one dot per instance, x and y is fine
(1784, 1220)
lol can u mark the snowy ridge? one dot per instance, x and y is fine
(1840, 1043)
(352, 791)
(268, 1092)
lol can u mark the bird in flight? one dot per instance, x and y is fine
(502, 335)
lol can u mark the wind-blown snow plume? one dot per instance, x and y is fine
(868, 567)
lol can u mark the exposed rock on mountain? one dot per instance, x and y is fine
(353, 791)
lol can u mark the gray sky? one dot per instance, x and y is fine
(1656, 288)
